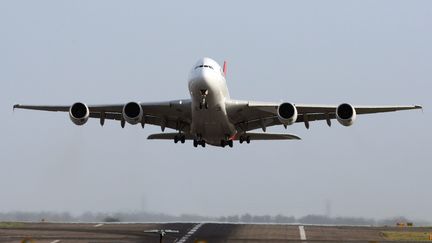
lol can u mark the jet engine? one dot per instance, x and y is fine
(132, 113)
(287, 113)
(79, 113)
(346, 114)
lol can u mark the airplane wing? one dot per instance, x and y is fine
(169, 136)
(269, 136)
(248, 115)
(174, 114)
(251, 136)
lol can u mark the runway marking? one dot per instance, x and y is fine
(302, 232)
(55, 241)
(98, 225)
(191, 232)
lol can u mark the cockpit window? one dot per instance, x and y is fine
(206, 66)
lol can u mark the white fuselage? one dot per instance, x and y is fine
(209, 92)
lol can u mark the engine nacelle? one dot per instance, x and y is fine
(79, 113)
(132, 113)
(346, 114)
(287, 113)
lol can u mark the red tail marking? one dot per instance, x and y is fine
(225, 68)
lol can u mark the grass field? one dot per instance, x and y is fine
(397, 235)
(10, 224)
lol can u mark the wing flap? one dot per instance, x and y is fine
(42, 107)
(379, 109)
(271, 136)
(168, 136)
(360, 109)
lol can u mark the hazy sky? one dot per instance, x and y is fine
(362, 52)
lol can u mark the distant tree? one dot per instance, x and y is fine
(159, 217)
(222, 219)
(110, 219)
(233, 218)
(246, 218)
(261, 219)
(315, 219)
(87, 217)
(283, 219)
(393, 221)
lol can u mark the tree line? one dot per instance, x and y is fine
(159, 217)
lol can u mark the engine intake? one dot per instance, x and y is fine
(287, 113)
(79, 113)
(132, 113)
(346, 114)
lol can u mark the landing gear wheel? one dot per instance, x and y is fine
(230, 143)
(241, 140)
(203, 144)
(223, 143)
(195, 143)
(204, 105)
(182, 139)
(248, 140)
(176, 139)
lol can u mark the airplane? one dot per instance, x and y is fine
(161, 232)
(211, 117)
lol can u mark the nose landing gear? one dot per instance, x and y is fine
(203, 101)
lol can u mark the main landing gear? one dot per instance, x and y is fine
(244, 139)
(199, 142)
(226, 142)
(180, 138)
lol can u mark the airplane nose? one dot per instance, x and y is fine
(205, 78)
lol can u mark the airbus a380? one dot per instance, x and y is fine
(210, 116)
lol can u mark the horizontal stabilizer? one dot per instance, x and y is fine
(168, 136)
(270, 136)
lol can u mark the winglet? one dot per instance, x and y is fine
(225, 68)
(419, 107)
(15, 106)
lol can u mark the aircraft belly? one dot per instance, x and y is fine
(210, 121)
(212, 124)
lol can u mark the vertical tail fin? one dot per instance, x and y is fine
(225, 68)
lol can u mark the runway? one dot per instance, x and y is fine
(195, 232)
